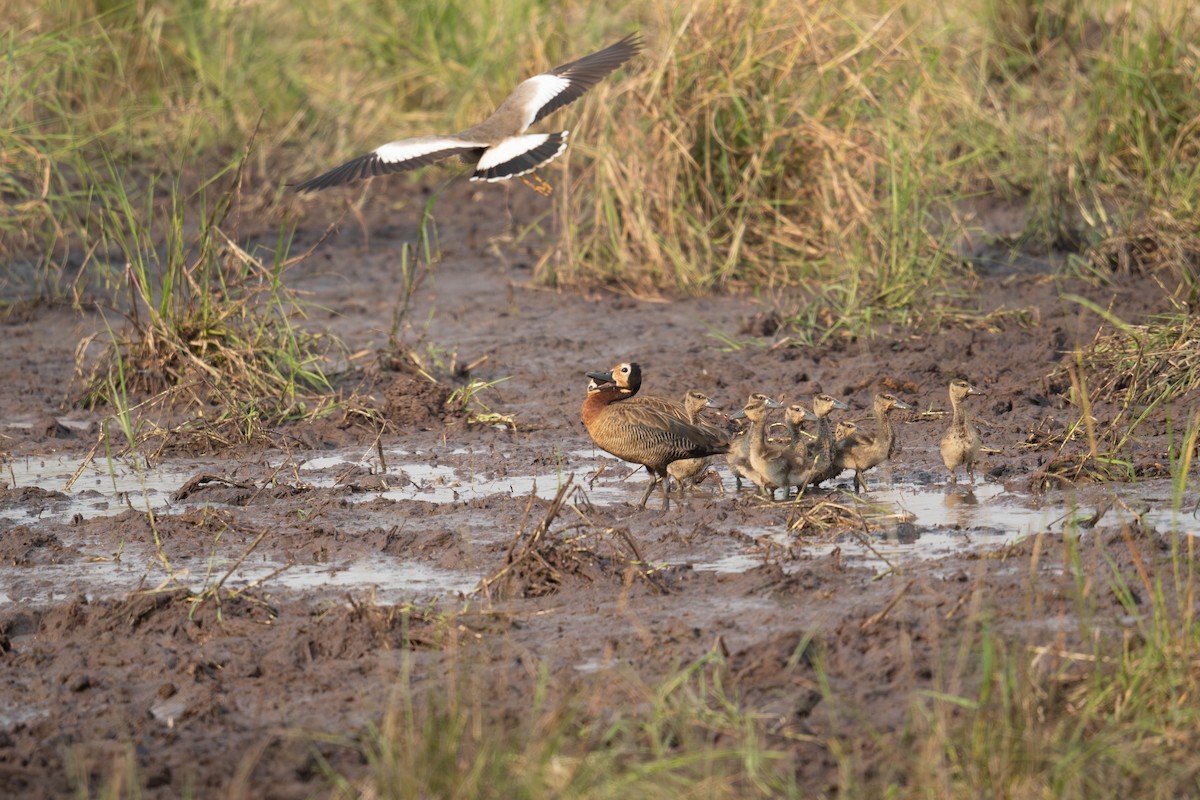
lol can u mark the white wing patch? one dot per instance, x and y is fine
(407, 149)
(500, 158)
(535, 92)
(509, 149)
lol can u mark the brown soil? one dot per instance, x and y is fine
(224, 694)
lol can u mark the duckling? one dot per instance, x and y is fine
(842, 430)
(794, 416)
(692, 470)
(642, 432)
(738, 459)
(862, 450)
(823, 450)
(776, 466)
(797, 452)
(961, 443)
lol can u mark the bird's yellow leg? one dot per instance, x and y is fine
(537, 184)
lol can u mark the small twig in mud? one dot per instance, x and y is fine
(238, 563)
(891, 568)
(1101, 510)
(82, 464)
(875, 619)
(508, 556)
(643, 568)
(962, 601)
(193, 484)
(291, 562)
(271, 479)
(719, 647)
(515, 558)
(536, 564)
(1127, 530)
(379, 451)
(632, 545)
(214, 591)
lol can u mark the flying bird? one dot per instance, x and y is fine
(498, 147)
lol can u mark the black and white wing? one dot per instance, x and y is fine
(519, 155)
(399, 156)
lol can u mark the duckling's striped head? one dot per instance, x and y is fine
(960, 389)
(756, 410)
(796, 413)
(695, 401)
(887, 402)
(823, 404)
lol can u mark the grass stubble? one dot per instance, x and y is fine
(833, 153)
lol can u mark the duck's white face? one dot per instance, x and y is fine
(622, 374)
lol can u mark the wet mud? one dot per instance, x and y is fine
(236, 620)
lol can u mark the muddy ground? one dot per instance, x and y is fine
(227, 694)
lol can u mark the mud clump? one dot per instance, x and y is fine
(413, 402)
(24, 547)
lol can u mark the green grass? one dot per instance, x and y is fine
(1110, 718)
(211, 328)
(692, 738)
(838, 156)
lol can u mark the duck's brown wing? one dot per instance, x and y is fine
(647, 435)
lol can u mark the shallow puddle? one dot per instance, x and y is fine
(444, 483)
(388, 580)
(928, 522)
(102, 488)
(908, 520)
(94, 489)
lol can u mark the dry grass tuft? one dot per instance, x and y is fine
(538, 562)
(731, 160)
(211, 329)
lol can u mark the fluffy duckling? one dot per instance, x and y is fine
(862, 450)
(640, 431)
(738, 459)
(692, 470)
(842, 430)
(794, 416)
(776, 466)
(961, 443)
(823, 450)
